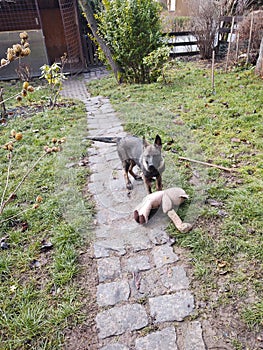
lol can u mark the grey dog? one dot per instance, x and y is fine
(135, 151)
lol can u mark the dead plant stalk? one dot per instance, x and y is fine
(13, 193)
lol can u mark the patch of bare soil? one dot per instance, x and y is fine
(27, 111)
(83, 336)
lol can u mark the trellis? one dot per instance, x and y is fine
(25, 15)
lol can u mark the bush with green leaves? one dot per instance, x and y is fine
(132, 30)
(54, 76)
(156, 63)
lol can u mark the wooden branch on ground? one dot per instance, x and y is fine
(207, 164)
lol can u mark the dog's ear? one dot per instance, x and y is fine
(158, 141)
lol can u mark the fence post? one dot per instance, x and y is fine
(250, 36)
(230, 39)
(213, 71)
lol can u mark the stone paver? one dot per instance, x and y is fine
(115, 347)
(160, 340)
(109, 269)
(143, 288)
(112, 293)
(192, 336)
(118, 320)
(172, 307)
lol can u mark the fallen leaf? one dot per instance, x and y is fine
(221, 264)
(235, 139)
(13, 288)
(46, 246)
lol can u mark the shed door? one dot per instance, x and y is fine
(52, 26)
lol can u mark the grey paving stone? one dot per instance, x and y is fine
(159, 237)
(174, 278)
(150, 284)
(112, 293)
(115, 347)
(119, 320)
(164, 254)
(193, 337)
(173, 307)
(102, 249)
(108, 269)
(163, 280)
(112, 156)
(94, 188)
(161, 340)
(138, 263)
(103, 231)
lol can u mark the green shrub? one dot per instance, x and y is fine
(132, 29)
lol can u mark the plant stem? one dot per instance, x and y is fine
(7, 181)
(3, 205)
(9, 98)
(16, 215)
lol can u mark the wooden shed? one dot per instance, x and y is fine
(53, 27)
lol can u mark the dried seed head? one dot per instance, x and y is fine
(24, 92)
(17, 48)
(10, 54)
(48, 149)
(35, 206)
(30, 88)
(19, 98)
(25, 85)
(3, 62)
(10, 146)
(39, 199)
(25, 52)
(55, 149)
(13, 133)
(26, 44)
(23, 35)
(54, 140)
(19, 136)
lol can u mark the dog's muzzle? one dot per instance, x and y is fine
(151, 172)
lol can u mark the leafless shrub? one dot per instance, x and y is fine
(257, 31)
(205, 23)
(23, 72)
(238, 7)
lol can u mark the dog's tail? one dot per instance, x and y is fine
(109, 139)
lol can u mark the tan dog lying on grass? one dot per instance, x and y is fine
(169, 198)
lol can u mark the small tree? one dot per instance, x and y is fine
(89, 8)
(132, 30)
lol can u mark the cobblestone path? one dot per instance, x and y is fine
(143, 295)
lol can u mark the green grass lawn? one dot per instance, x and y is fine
(41, 296)
(39, 291)
(223, 127)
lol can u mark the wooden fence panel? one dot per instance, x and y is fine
(182, 44)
